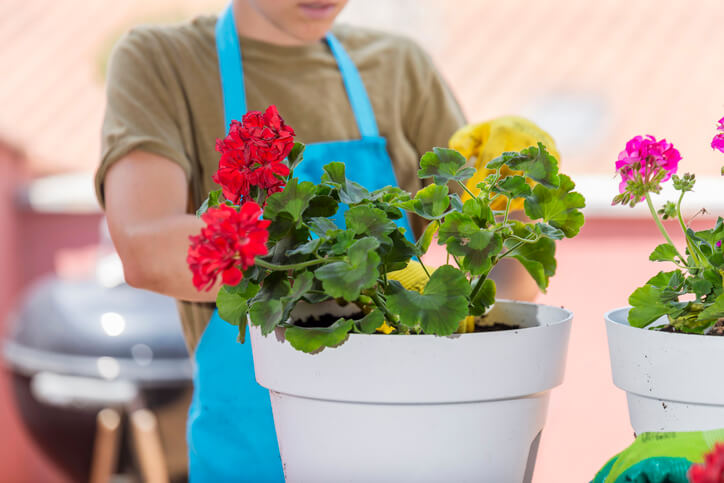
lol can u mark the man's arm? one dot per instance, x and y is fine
(146, 197)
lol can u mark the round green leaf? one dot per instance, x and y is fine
(439, 308)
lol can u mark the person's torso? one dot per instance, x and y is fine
(304, 83)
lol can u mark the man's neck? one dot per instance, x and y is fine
(252, 23)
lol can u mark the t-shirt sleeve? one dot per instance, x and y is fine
(432, 112)
(141, 110)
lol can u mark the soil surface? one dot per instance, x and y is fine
(495, 327)
(717, 329)
(325, 320)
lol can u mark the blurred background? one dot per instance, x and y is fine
(77, 340)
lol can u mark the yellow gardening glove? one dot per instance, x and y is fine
(481, 143)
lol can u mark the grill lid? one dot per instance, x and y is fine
(85, 329)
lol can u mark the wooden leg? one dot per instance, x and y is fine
(147, 447)
(106, 446)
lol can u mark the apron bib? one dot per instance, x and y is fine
(230, 430)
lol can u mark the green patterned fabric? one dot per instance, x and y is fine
(659, 457)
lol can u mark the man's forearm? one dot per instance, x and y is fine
(154, 257)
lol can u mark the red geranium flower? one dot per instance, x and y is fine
(712, 471)
(253, 153)
(227, 245)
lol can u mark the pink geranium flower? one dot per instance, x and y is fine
(644, 165)
(718, 141)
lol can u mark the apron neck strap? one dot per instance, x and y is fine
(356, 91)
(231, 71)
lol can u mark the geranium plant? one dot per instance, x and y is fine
(690, 296)
(291, 250)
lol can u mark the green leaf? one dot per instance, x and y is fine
(423, 244)
(443, 165)
(441, 305)
(340, 241)
(479, 211)
(663, 253)
(293, 200)
(464, 238)
(364, 219)
(558, 207)
(350, 192)
(322, 226)
(657, 298)
(211, 201)
(512, 187)
(306, 248)
(699, 286)
(359, 272)
(484, 298)
(232, 301)
(396, 256)
(714, 311)
(266, 314)
(455, 226)
(430, 202)
(539, 259)
(370, 322)
(277, 298)
(549, 231)
(648, 304)
(455, 202)
(310, 340)
(295, 155)
(322, 206)
(535, 162)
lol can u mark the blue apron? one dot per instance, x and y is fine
(230, 431)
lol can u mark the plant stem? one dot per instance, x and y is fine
(525, 240)
(381, 305)
(424, 268)
(699, 259)
(660, 225)
(466, 189)
(477, 286)
(457, 261)
(507, 211)
(293, 266)
(512, 249)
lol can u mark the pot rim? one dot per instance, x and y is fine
(626, 326)
(566, 316)
(422, 370)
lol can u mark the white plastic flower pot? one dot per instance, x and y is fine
(417, 408)
(672, 381)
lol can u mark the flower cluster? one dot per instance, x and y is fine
(691, 297)
(227, 245)
(718, 141)
(252, 156)
(712, 470)
(643, 166)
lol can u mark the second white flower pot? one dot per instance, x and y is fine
(417, 408)
(672, 381)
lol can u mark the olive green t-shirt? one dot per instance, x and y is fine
(164, 97)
